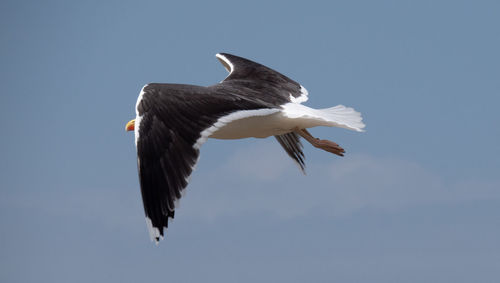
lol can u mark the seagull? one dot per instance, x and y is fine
(174, 120)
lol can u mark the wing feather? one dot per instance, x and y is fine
(269, 83)
(293, 147)
(172, 118)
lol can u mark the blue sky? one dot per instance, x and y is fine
(415, 199)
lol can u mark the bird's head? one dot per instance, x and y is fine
(130, 125)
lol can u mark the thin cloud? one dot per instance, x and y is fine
(261, 178)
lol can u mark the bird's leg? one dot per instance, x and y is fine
(325, 145)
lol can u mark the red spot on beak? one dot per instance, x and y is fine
(130, 125)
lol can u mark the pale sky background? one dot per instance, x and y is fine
(415, 199)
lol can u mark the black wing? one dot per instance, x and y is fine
(293, 147)
(264, 83)
(169, 123)
(171, 118)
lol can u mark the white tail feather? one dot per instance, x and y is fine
(346, 117)
(338, 116)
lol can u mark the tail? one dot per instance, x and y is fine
(343, 117)
(338, 116)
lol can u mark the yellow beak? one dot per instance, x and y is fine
(130, 125)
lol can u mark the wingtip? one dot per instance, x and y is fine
(154, 232)
(225, 62)
(303, 170)
(157, 240)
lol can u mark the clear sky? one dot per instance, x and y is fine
(415, 199)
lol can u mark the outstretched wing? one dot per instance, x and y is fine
(271, 85)
(165, 161)
(171, 124)
(260, 83)
(166, 130)
(293, 147)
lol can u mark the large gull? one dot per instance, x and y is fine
(174, 120)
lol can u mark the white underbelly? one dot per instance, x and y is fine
(263, 123)
(255, 126)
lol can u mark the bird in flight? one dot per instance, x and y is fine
(174, 120)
